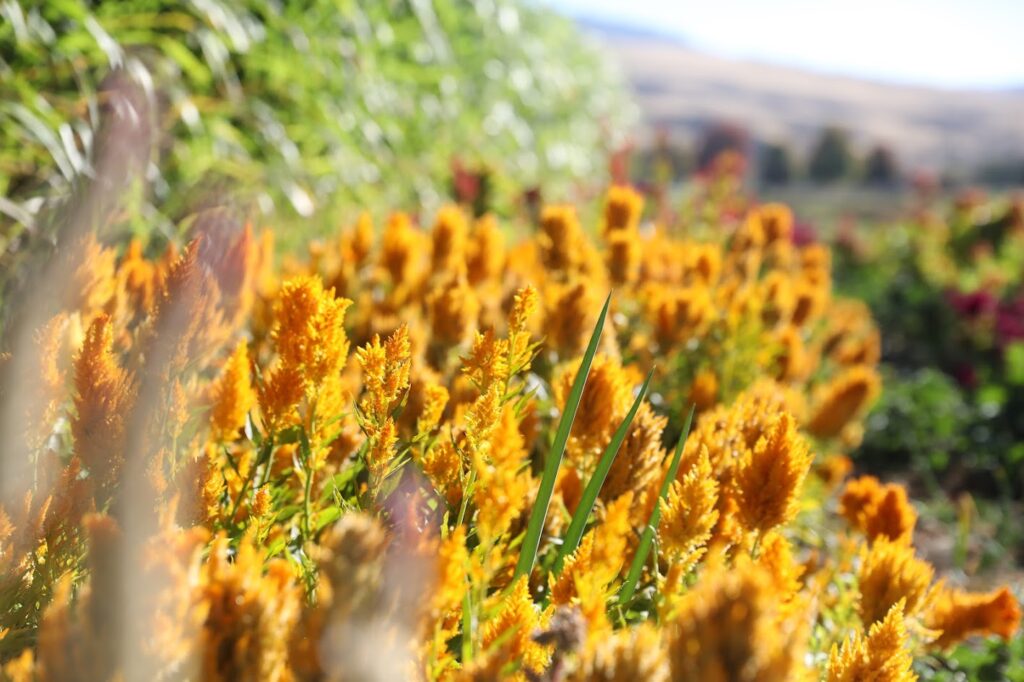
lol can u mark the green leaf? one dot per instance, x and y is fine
(647, 539)
(573, 535)
(531, 541)
(1014, 361)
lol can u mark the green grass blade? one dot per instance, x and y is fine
(531, 541)
(647, 538)
(572, 537)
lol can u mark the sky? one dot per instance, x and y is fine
(943, 43)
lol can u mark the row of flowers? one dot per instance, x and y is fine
(213, 485)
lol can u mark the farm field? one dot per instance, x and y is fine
(343, 341)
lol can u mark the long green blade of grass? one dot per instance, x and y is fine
(647, 539)
(531, 541)
(571, 539)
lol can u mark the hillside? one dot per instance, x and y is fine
(682, 89)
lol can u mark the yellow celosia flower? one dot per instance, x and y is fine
(385, 373)
(310, 332)
(452, 563)
(890, 573)
(454, 309)
(727, 628)
(882, 655)
(570, 316)
(514, 624)
(382, 437)
(252, 611)
(625, 656)
(623, 257)
(622, 208)
(689, 513)
(776, 221)
(704, 390)
(638, 464)
(232, 395)
(487, 362)
(769, 480)
(606, 399)
(434, 401)
(399, 250)
(442, 465)
(776, 555)
(482, 417)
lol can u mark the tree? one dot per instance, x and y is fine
(880, 168)
(830, 159)
(719, 138)
(775, 167)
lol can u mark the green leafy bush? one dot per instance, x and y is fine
(303, 107)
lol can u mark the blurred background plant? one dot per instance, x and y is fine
(305, 108)
(947, 291)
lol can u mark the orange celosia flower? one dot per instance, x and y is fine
(562, 238)
(622, 208)
(232, 395)
(958, 614)
(704, 389)
(892, 516)
(769, 480)
(776, 555)
(877, 510)
(883, 655)
(449, 240)
(485, 256)
(847, 396)
(104, 394)
(858, 495)
(890, 573)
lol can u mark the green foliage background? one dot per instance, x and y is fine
(306, 107)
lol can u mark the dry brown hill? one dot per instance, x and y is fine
(683, 90)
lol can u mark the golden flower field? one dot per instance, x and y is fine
(608, 451)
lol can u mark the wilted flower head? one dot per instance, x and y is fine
(958, 614)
